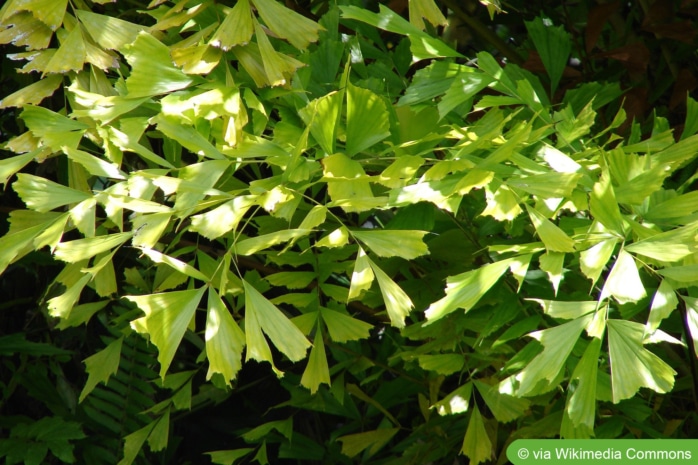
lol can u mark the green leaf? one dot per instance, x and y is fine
(393, 243)
(367, 120)
(676, 207)
(287, 24)
(456, 402)
(552, 236)
(187, 136)
(502, 205)
(152, 70)
(443, 364)
(663, 304)
(101, 366)
(581, 402)
(95, 166)
(422, 45)
(633, 366)
(346, 181)
(236, 29)
(317, 371)
(133, 443)
(505, 408)
(175, 264)
(354, 444)
(552, 263)
(224, 340)
(593, 260)
(397, 302)
(623, 282)
(554, 45)
(558, 343)
(228, 457)
(567, 310)
(426, 9)
(466, 289)
(255, 244)
(222, 219)
(323, 116)
(71, 54)
(32, 94)
(477, 445)
(361, 277)
(167, 317)
(343, 328)
(282, 333)
(692, 320)
(604, 207)
(669, 246)
(109, 32)
(547, 185)
(81, 249)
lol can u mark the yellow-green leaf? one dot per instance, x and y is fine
(282, 333)
(109, 32)
(343, 328)
(633, 366)
(287, 24)
(101, 366)
(224, 340)
(236, 29)
(167, 317)
(553, 237)
(623, 282)
(393, 243)
(32, 94)
(367, 120)
(477, 445)
(317, 371)
(466, 289)
(81, 249)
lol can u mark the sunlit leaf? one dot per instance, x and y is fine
(558, 343)
(95, 166)
(593, 260)
(633, 366)
(81, 249)
(343, 328)
(362, 276)
(393, 243)
(109, 32)
(425, 9)
(623, 282)
(466, 289)
(70, 56)
(367, 120)
(152, 70)
(668, 246)
(567, 310)
(552, 236)
(224, 340)
(346, 181)
(282, 333)
(236, 29)
(167, 317)
(33, 94)
(287, 24)
(552, 263)
(322, 115)
(692, 320)
(255, 244)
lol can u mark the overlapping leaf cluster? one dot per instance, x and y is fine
(427, 254)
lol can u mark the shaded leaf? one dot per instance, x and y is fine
(354, 444)
(476, 443)
(101, 366)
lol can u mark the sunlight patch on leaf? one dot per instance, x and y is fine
(224, 340)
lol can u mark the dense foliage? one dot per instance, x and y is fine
(338, 232)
